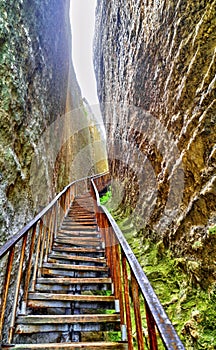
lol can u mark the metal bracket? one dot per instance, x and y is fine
(117, 306)
(23, 309)
(123, 332)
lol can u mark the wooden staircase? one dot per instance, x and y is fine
(72, 305)
(70, 280)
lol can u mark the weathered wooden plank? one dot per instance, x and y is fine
(76, 242)
(73, 346)
(79, 233)
(64, 288)
(66, 319)
(84, 306)
(41, 304)
(77, 327)
(72, 273)
(86, 240)
(61, 248)
(75, 267)
(78, 224)
(77, 219)
(100, 260)
(70, 297)
(67, 280)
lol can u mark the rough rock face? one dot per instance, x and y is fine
(155, 67)
(38, 91)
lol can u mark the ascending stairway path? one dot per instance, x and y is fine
(72, 306)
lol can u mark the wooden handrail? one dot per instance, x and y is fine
(166, 330)
(11, 242)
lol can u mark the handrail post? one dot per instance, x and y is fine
(52, 229)
(127, 302)
(32, 289)
(151, 328)
(136, 305)
(119, 288)
(17, 288)
(42, 248)
(6, 288)
(28, 272)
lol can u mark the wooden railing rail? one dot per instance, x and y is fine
(132, 288)
(22, 256)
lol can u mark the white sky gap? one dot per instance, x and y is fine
(82, 14)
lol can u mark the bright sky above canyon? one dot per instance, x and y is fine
(82, 15)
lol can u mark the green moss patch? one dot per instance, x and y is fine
(191, 309)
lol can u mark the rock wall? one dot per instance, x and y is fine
(155, 68)
(39, 104)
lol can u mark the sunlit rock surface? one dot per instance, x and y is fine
(39, 133)
(155, 67)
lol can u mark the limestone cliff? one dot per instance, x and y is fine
(40, 104)
(155, 67)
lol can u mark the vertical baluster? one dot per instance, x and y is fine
(43, 242)
(72, 193)
(63, 208)
(17, 288)
(48, 246)
(70, 196)
(136, 305)
(68, 200)
(119, 284)
(5, 288)
(111, 243)
(127, 302)
(67, 197)
(52, 228)
(32, 289)
(101, 223)
(28, 272)
(115, 277)
(107, 241)
(151, 328)
(56, 220)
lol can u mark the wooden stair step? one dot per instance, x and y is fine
(81, 222)
(80, 250)
(80, 218)
(100, 260)
(76, 215)
(70, 297)
(93, 228)
(79, 239)
(55, 323)
(80, 233)
(68, 280)
(50, 300)
(67, 319)
(64, 327)
(77, 242)
(73, 346)
(75, 267)
(76, 227)
(68, 284)
(79, 273)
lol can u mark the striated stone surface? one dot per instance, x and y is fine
(155, 68)
(39, 93)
